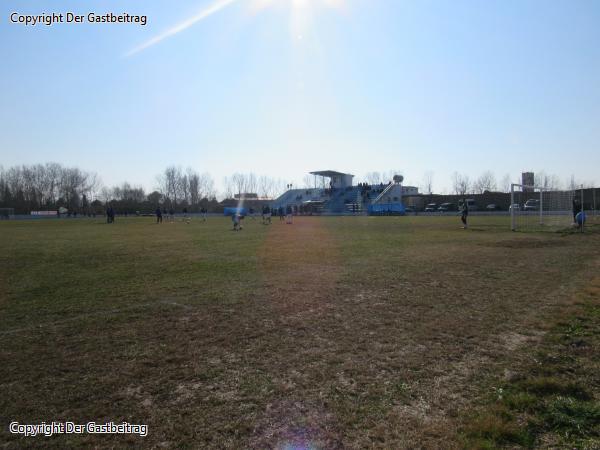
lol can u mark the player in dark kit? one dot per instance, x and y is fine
(576, 209)
(464, 213)
(266, 215)
(110, 215)
(158, 215)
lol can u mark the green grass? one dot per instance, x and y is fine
(553, 402)
(333, 332)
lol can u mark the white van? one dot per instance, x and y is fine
(470, 204)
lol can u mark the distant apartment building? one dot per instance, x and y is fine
(528, 181)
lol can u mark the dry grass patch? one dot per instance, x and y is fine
(332, 332)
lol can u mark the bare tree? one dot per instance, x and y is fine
(94, 184)
(265, 186)
(207, 186)
(461, 184)
(183, 186)
(373, 177)
(41, 186)
(547, 181)
(106, 194)
(169, 184)
(228, 187)
(308, 181)
(193, 180)
(572, 184)
(428, 182)
(279, 187)
(239, 183)
(486, 182)
(251, 183)
(505, 183)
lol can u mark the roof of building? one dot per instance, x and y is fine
(329, 173)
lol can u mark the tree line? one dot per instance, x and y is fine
(462, 184)
(50, 186)
(26, 188)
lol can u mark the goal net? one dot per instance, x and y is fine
(535, 209)
(591, 203)
(7, 213)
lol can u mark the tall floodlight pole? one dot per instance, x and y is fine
(582, 210)
(541, 206)
(401, 202)
(398, 179)
(512, 207)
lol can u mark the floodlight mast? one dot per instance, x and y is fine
(541, 206)
(512, 207)
(582, 211)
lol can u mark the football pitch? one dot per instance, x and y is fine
(333, 332)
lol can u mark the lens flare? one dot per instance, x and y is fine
(300, 8)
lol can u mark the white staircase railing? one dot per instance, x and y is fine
(380, 196)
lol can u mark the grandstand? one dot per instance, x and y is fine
(338, 196)
(335, 194)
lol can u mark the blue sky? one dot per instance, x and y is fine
(302, 85)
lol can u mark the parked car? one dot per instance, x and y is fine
(431, 207)
(492, 207)
(446, 207)
(514, 206)
(409, 209)
(531, 205)
(470, 204)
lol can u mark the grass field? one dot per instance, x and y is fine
(354, 332)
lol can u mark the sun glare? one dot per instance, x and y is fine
(298, 4)
(302, 10)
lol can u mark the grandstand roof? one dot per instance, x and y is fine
(329, 173)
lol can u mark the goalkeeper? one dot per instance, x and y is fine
(576, 209)
(464, 213)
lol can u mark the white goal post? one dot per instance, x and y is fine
(537, 208)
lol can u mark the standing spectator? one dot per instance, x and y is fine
(158, 215)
